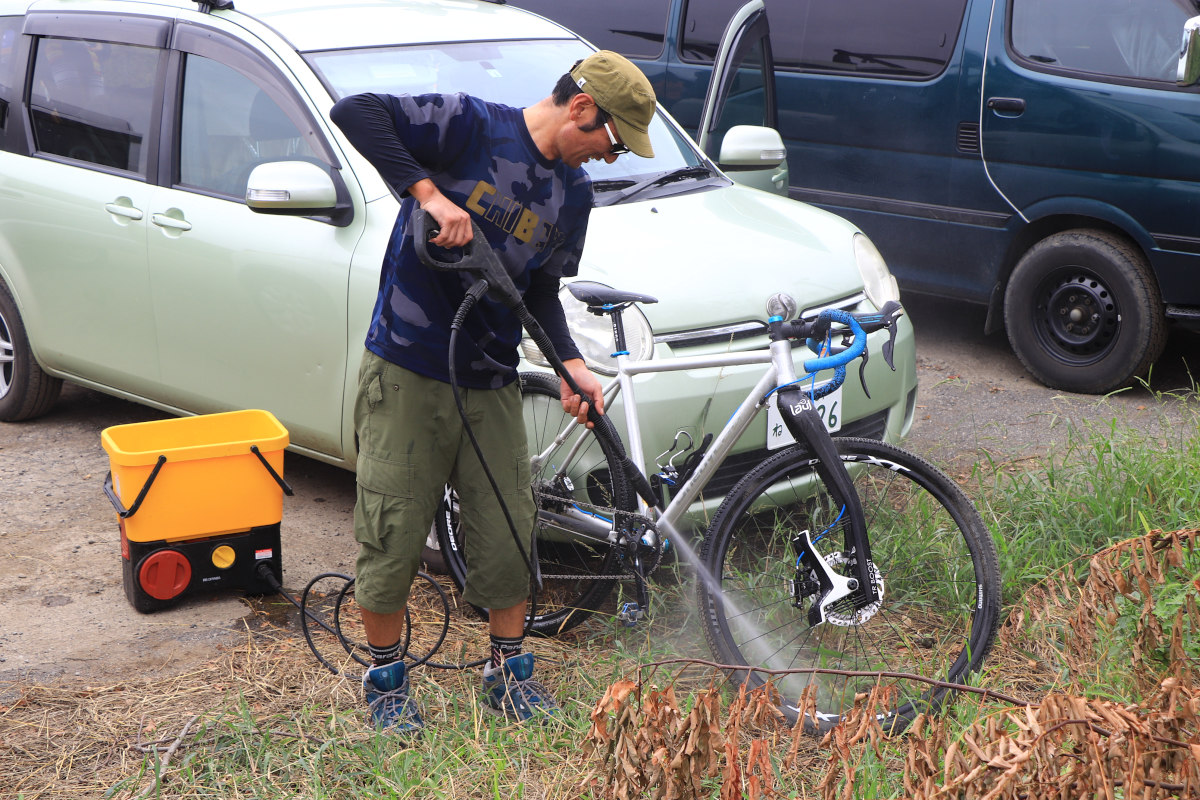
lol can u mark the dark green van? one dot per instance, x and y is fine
(1041, 157)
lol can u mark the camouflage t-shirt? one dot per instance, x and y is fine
(533, 212)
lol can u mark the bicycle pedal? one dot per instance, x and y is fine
(630, 614)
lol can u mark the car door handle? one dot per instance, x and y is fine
(168, 221)
(1007, 105)
(123, 209)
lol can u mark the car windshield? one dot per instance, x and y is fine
(514, 73)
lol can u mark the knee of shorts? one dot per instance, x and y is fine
(390, 532)
(497, 589)
(382, 581)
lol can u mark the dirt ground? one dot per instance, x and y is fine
(64, 614)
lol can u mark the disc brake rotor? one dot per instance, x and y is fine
(844, 613)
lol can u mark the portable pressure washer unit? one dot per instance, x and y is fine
(199, 502)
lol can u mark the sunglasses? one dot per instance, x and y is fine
(618, 148)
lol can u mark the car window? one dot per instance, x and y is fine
(912, 39)
(513, 73)
(228, 126)
(10, 70)
(635, 28)
(1117, 38)
(94, 101)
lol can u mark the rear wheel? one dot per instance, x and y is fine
(586, 484)
(25, 390)
(1083, 312)
(933, 563)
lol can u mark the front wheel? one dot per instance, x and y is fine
(579, 486)
(933, 563)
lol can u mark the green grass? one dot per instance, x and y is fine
(1107, 483)
(277, 726)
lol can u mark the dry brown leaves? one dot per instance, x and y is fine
(1063, 745)
(1128, 572)
(644, 745)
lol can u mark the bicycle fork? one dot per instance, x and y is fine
(802, 419)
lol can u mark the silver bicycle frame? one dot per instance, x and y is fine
(779, 370)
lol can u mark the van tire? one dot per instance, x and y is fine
(1084, 313)
(25, 390)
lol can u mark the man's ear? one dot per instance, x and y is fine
(579, 107)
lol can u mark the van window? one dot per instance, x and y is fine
(94, 101)
(912, 39)
(229, 126)
(634, 28)
(704, 22)
(1116, 38)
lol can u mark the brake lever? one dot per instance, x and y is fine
(886, 317)
(891, 312)
(862, 371)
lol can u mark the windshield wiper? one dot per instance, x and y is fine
(612, 185)
(680, 174)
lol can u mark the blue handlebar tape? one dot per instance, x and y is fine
(846, 356)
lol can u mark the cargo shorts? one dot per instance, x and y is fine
(411, 444)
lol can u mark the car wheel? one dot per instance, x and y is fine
(25, 391)
(1083, 312)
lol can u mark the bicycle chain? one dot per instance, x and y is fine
(632, 520)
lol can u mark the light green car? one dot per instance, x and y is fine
(132, 262)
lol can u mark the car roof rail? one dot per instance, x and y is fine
(206, 6)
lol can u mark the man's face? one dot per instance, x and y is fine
(594, 141)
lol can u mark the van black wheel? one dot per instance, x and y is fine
(1083, 312)
(25, 390)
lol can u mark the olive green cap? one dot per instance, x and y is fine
(623, 92)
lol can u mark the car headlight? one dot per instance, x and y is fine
(593, 336)
(878, 282)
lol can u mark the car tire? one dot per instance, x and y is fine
(1083, 312)
(25, 390)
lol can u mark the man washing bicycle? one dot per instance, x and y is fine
(518, 174)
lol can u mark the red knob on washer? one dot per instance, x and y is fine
(165, 574)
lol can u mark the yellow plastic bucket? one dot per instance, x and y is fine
(190, 477)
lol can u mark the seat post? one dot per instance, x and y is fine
(618, 326)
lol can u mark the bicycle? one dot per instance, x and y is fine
(844, 555)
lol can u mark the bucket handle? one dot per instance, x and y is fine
(278, 479)
(123, 512)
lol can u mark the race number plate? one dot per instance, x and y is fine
(778, 435)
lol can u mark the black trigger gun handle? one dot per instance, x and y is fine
(476, 258)
(479, 260)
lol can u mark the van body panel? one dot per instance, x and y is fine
(1125, 151)
(958, 134)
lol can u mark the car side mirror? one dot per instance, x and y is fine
(754, 156)
(291, 187)
(1189, 53)
(752, 146)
